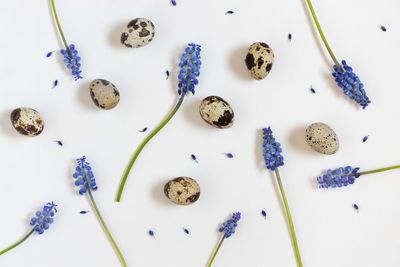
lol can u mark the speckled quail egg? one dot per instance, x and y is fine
(139, 32)
(27, 121)
(182, 190)
(322, 138)
(104, 94)
(259, 60)
(217, 112)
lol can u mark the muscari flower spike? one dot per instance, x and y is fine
(85, 180)
(190, 64)
(338, 177)
(271, 150)
(82, 172)
(228, 228)
(351, 84)
(41, 222)
(190, 69)
(343, 73)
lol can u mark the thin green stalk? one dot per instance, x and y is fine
(105, 226)
(380, 170)
(59, 27)
(323, 36)
(216, 250)
(148, 138)
(18, 243)
(296, 247)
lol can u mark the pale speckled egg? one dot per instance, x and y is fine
(104, 94)
(182, 190)
(259, 60)
(139, 32)
(322, 138)
(27, 121)
(217, 112)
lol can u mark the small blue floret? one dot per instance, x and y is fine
(72, 60)
(230, 225)
(271, 150)
(43, 219)
(84, 176)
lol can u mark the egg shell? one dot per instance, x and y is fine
(139, 32)
(27, 121)
(259, 60)
(322, 138)
(217, 112)
(182, 190)
(104, 94)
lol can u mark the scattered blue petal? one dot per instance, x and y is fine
(229, 155)
(59, 142)
(339, 177)
(55, 83)
(229, 12)
(194, 157)
(151, 233)
(143, 130)
(383, 28)
(173, 2)
(264, 213)
(355, 206)
(83, 211)
(49, 54)
(312, 90)
(365, 139)
(186, 230)
(167, 73)
(290, 36)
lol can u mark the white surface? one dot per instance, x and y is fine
(330, 232)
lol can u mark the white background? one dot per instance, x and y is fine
(330, 232)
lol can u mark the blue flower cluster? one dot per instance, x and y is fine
(271, 150)
(84, 176)
(351, 85)
(229, 226)
(71, 59)
(338, 177)
(190, 69)
(43, 219)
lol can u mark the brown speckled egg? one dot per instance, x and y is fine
(217, 112)
(182, 190)
(259, 60)
(322, 138)
(139, 32)
(104, 94)
(27, 121)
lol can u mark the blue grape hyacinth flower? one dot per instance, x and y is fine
(40, 223)
(190, 63)
(271, 150)
(72, 61)
(84, 179)
(351, 84)
(228, 228)
(344, 176)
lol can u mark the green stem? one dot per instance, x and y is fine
(59, 27)
(105, 226)
(380, 170)
(18, 243)
(121, 187)
(323, 36)
(216, 250)
(278, 178)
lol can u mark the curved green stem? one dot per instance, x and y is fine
(216, 250)
(380, 170)
(323, 36)
(105, 226)
(148, 138)
(59, 27)
(18, 243)
(296, 247)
